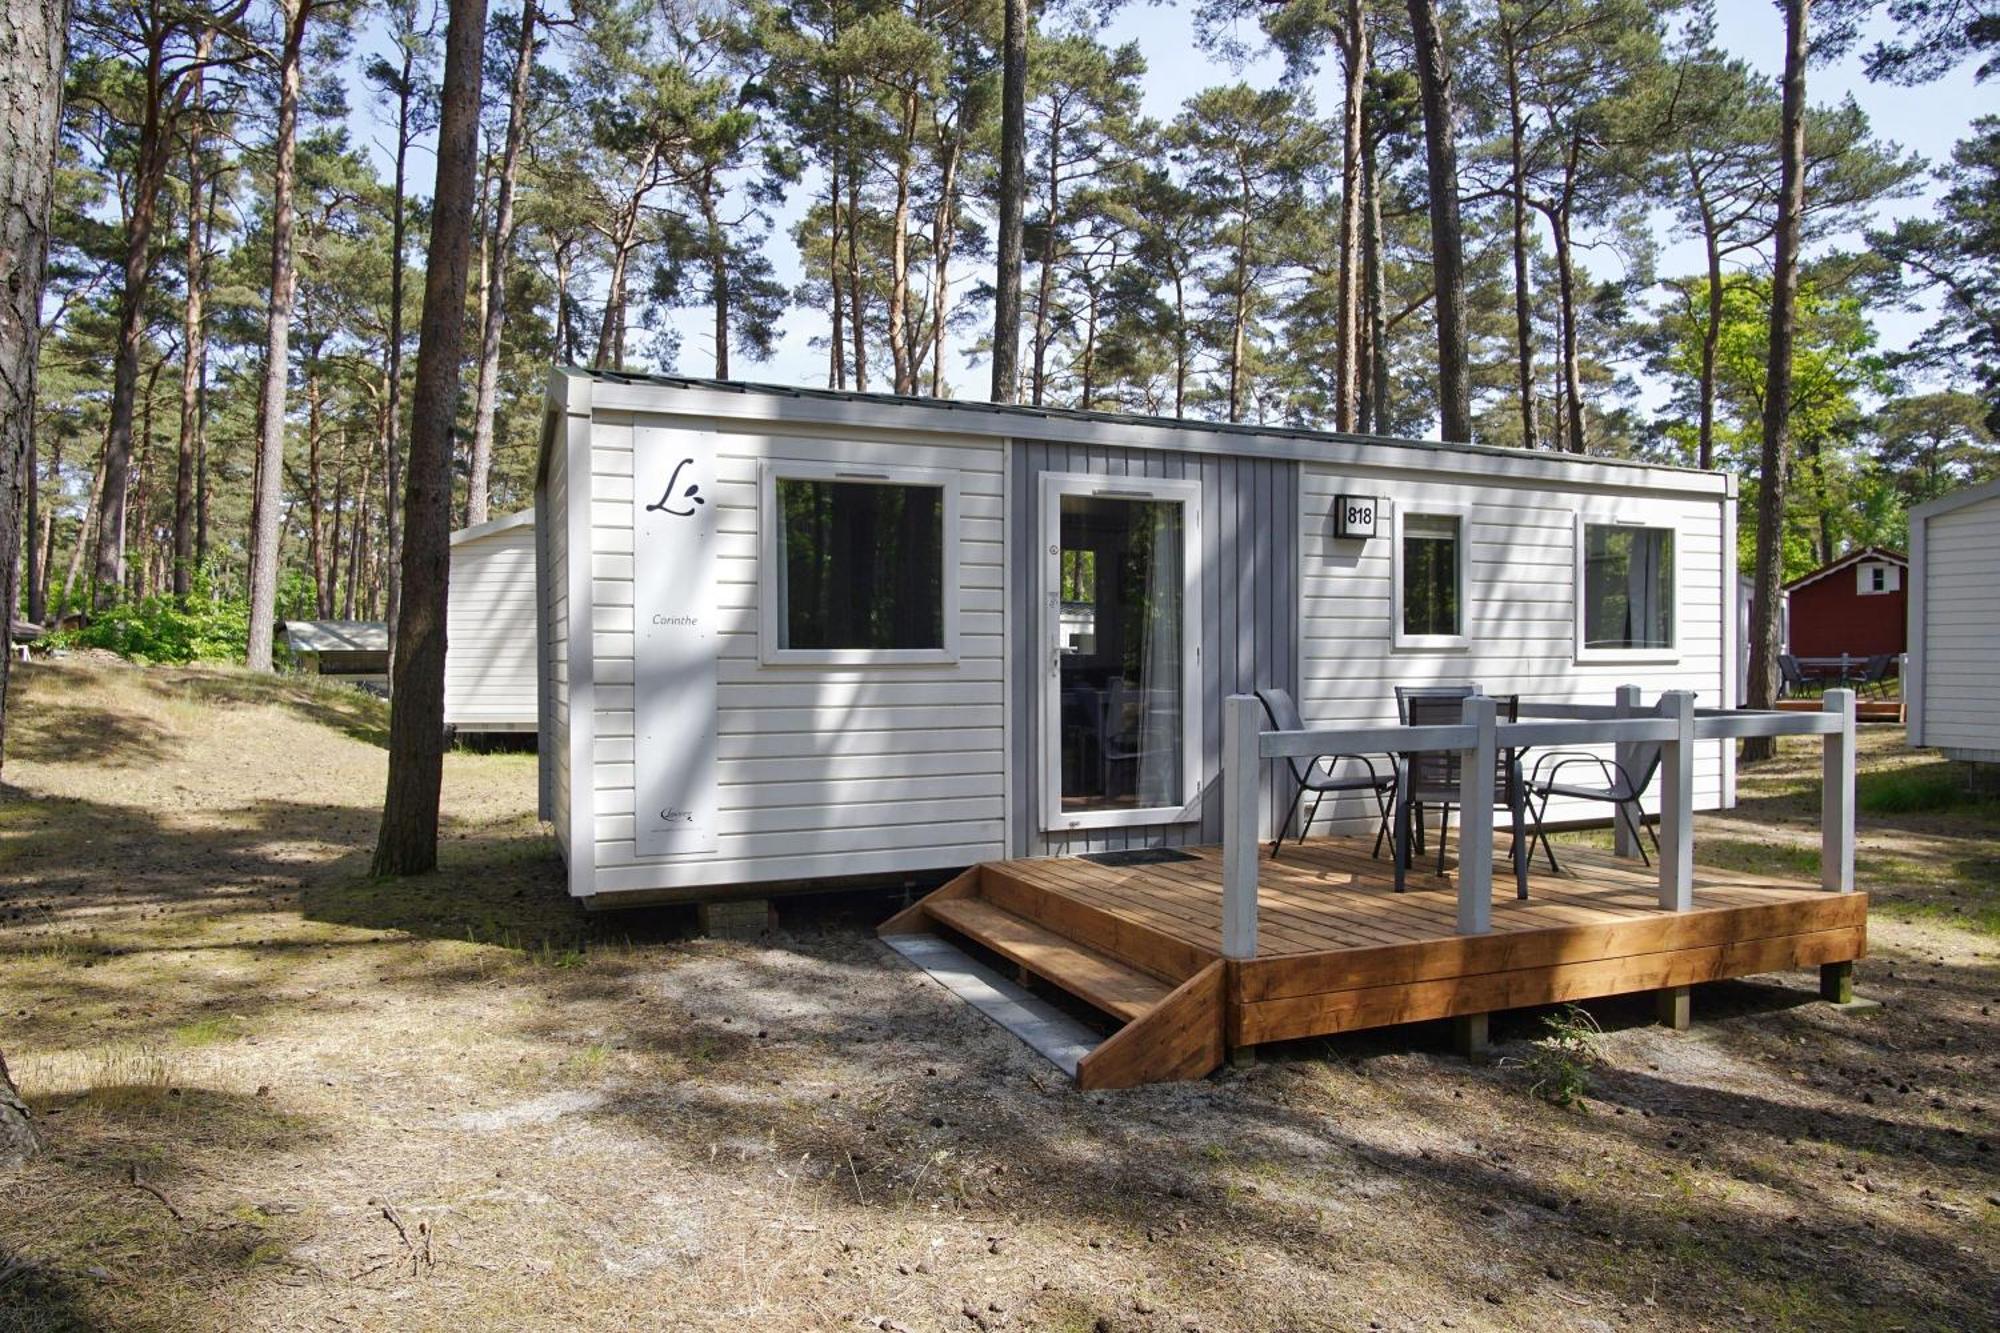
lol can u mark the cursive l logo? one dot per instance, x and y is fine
(693, 493)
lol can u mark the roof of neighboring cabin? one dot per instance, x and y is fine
(577, 390)
(335, 636)
(1881, 553)
(1958, 499)
(494, 527)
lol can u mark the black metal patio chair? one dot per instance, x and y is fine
(1431, 777)
(1318, 775)
(1623, 789)
(1792, 681)
(1874, 674)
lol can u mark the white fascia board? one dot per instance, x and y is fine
(1399, 457)
(1945, 504)
(519, 519)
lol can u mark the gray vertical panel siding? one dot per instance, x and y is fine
(1249, 615)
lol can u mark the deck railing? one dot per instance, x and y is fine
(1478, 738)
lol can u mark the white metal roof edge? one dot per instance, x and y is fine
(335, 636)
(1958, 499)
(522, 518)
(734, 400)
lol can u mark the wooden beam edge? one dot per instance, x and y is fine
(916, 919)
(1261, 1021)
(1847, 911)
(1146, 1050)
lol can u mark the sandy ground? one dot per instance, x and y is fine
(279, 1095)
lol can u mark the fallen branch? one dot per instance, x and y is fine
(156, 1192)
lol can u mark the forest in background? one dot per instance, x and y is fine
(232, 275)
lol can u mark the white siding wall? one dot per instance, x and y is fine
(489, 664)
(1520, 612)
(824, 771)
(1960, 655)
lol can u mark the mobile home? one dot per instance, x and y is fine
(489, 664)
(790, 636)
(1953, 689)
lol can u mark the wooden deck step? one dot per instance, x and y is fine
(1121, 991)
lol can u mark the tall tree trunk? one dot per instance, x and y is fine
(899, 255)
(1180, 344)
(141, 500)
(836, 377)
(720, 296)
(494, 324)
(335, 538)
(857, 310)
(408, 841)
(1347, 331)
(30, 530)
(1378, 330)
(148, 176)
(1013, 188)
(266, 504)
(201, 424)
(1711, 334)
(942, 226)
(1572, 383)
(194, 333)
(32, 36)
(1766, 591)
(83, 539)
(1038, 336)
(315, 521)
(392, 430)
(1517, 192)
(1447, 241)
(1239, 311)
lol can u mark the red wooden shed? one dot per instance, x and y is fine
(1857, 606)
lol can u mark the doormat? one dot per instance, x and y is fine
(1138, 856)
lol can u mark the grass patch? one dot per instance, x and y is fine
(209, 1031)
(1913, 791)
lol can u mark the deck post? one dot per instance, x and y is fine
(1626, 704)
(1836, 797)
(1241, 768)
(1677, 803)
(1475, 819)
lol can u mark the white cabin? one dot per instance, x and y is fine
(1952, 691)
(489, 663)
(791, 636)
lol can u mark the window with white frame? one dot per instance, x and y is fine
(859, 565)
(1878, 578)
(1430, 560)
(1625, 588)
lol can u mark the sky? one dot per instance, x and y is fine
(1928, 119)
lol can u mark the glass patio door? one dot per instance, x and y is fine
(1121, 727)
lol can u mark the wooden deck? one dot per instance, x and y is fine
(1339, 950)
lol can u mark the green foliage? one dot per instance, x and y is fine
(1561, 1061)
(161, 629)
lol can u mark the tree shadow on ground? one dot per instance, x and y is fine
(107, 1134)
(1149, 1159)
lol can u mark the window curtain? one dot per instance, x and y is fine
(1649, 589)
(1160, 661)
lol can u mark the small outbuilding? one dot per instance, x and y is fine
(355, 651)
(790, 636)
(1953, 686)
(1854, 607)
(489, 664)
